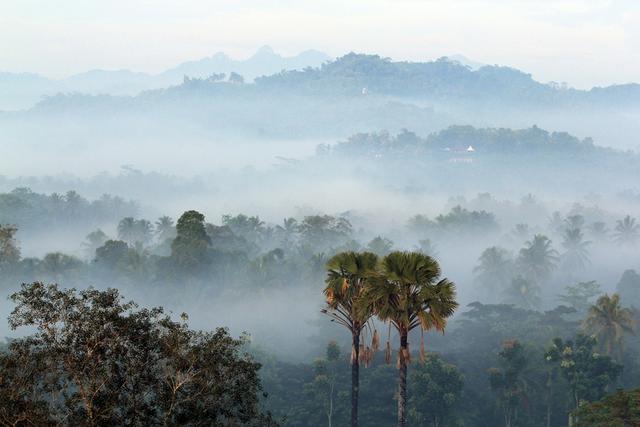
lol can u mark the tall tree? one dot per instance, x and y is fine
(93, 241)
(323, 387)
(189, 250)
(165, 229)
(135, 231)
(579, 296)
(436, 388)
(609, 322)
(494, 269)
(95, 360)
(348, 274)
(629, 288)
(508, 381)
(576, 255)
(587, 373)
(380, 246)
(537, 259)
(410, 294)
(9, 251)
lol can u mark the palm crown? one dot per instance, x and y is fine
(408, 293)
(347, 273)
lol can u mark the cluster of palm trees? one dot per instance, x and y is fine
(404, 290)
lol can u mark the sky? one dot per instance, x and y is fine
(582, 42)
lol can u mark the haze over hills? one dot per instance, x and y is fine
(23, 90)
(354, 93)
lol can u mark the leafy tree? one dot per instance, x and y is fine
(189, 250)
(508, 381)
(609, 322)
(9, 250)
(225, 240)
(436, 388)
(115, 257)
(621, 409)
(348, 274)
(324, 231)
(96, 360)
(112, 253)
(32, 211)
(587, 372)
(579, 296)
(409, 295)
(460, 219)
(57, 265)
(249, 227)
(627, 232)
(537, 259)
(380, 246)
(629, 288)
(323, 387)
(21, 400)
(93, 241)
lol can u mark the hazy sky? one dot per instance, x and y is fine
(582, 42)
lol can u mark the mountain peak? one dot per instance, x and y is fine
(265, 51)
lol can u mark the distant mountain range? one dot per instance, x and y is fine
(23, 90)
(309, 96)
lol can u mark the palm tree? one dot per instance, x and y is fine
(577, 253)
(537, 259)
(627, 231)
(165, 228)
(494, 269)
(347, 276)
(408, 294)
(287, 231)
(127, 229)
(609, 322)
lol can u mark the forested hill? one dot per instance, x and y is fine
(371, 75)
(470, 142)
(442, 79)
(354, 94)
(465, 158)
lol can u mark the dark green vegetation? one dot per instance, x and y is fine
(95, 360)
(545, 327)
(621, 409)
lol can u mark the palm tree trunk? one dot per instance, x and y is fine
(549, 396)
(402, 384)
(355, 376)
